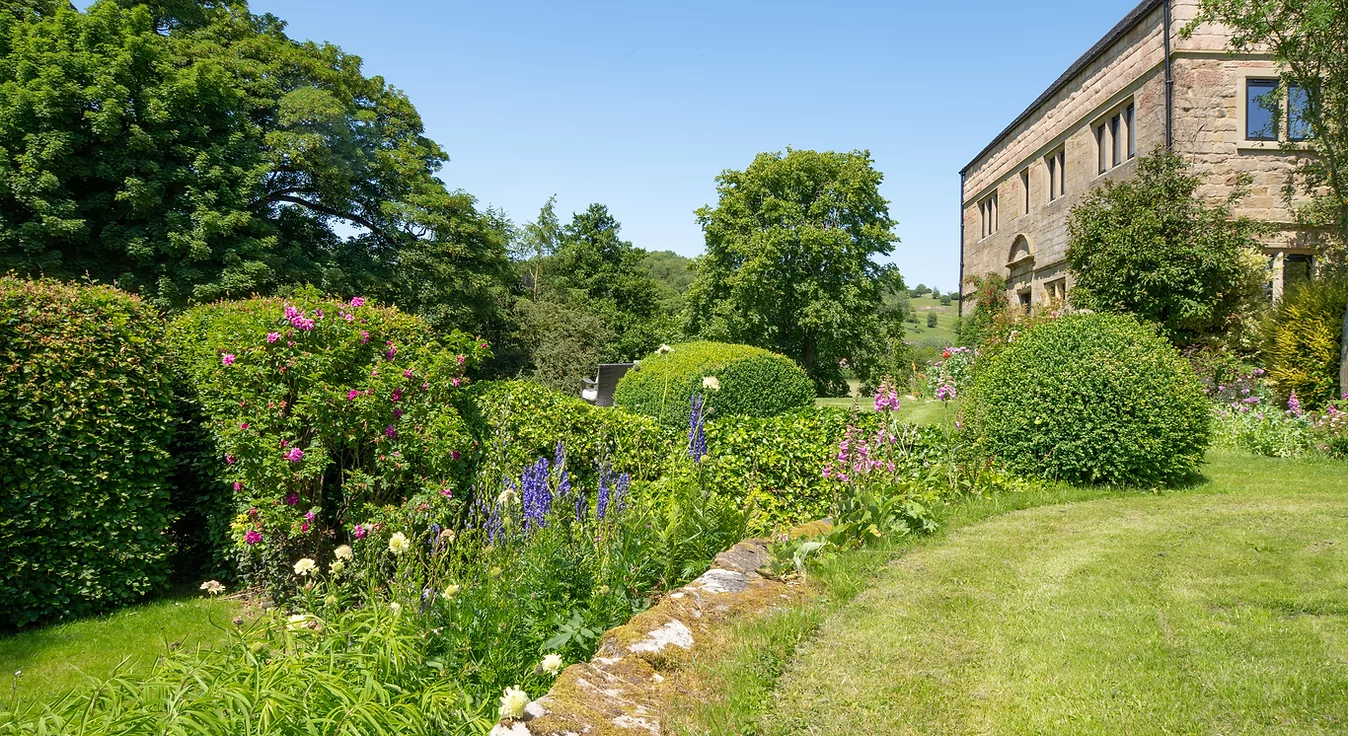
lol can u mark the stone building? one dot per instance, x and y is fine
(1139, 87)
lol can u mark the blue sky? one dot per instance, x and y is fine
(640, 105)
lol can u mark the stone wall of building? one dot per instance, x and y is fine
(1209, 95)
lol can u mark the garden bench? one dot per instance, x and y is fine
(599, 391)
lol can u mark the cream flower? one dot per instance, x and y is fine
(306, 566)
(449, 592)
(507, 496)
(513, 702)
(398, 544)
(711, 383)
(551, 664)
(396, 607)
(336, 567)
(343, 552)
(297, 621)
(663, 349)
(214, 587)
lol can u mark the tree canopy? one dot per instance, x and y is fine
(189, 150)
(1148, 246)
(791, 262)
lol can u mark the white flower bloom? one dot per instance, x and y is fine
(711, 383)
(297, 621)
(214, 587)
(398, 544)
(664, 349)
(336, 567)
(306, 566)
(513, 702)
(343, 552)
(507, 496)
(449, 592)
(396, 607)
(551, 664)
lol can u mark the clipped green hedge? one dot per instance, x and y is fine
(776, 464)
(1092, 398)
(85, 416)
(517, 422)
(753, 382)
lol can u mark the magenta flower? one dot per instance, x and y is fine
(407, 373)
(397, 413)
(244, 425)
(292, 499)
(392, 351)
(461, 359)
(253, 536)
(352, 394)
(349, 317)
(397, 394)
(304, 527)
(1293, 405)
(358, 532)
(364, 337)
(227, 359)
(357, 301)
(273, 336)
(238, 486)
(455, 381)
(308, 516)
(455, 454)
(318, 314)
(447, 493)
(295, 455)
(230, 459)
(390, 432)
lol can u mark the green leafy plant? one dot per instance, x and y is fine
(1091, 398)
(1301, 340)
(737, 380)
(85, 410)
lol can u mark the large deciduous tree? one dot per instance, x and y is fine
(1309, 39)
(1150, 247)
(791, 262)
(189, 150)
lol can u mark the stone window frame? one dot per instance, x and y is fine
(1055, 290)
(1025, 185)
(988, 216)
(1243, 75)
(1056, 162)
(1115, 135)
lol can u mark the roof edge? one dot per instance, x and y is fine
(1129, 21)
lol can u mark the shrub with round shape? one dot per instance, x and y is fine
(737, 380)
(84, 412)
(1092, 398)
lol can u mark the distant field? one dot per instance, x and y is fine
(944, 332)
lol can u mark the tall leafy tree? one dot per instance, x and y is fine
(189, 150)
(1149, 246)
(792, 262)
(1309, 39)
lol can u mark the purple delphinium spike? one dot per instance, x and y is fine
(620, 491)
(535, 495)
(697, 436)
(601, 503)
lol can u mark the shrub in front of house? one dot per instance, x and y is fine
(314, 412)
(737, 380)
(1092, 398)
(1301, 341)
(85, 416)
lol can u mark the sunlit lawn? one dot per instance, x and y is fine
(55, 659)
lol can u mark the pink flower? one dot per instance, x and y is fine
(230, 459)
(390, 432)
(318, 314)
(397, 413)
(244, 425)
(456, 381)
(349, 317)
(392, 351)
(227, 359)
(304, 527)
(352, 394)
(397, 394)
(295, 455)
(407, 373)
(238, 486)
(364, 337)
(292, 499)
(357, 301)
(308, 516)
(455, 454)
(273, 336)
(461, 359)
(447, 493)
(358, 532)
(253, 536)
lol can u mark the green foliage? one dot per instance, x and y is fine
(84, 408)
(669, 269)
(991, 319)
(1268, 432)
(317, 409)
(931, 321)
(1148, 246)
(191, 151)
(348, 672)
(1092, 398)
(1301, 340)
(751, 382)
(518, 422)
(565, 342)
(792, 263)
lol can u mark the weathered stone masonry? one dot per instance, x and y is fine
(1126, 68)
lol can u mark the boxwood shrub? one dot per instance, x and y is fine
(85, 416)
(517, 422)
(1092, 398)
(752, 382)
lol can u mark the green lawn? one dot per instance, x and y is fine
(53, 658)
(940, 336)
(916, 411)
(1216, 609)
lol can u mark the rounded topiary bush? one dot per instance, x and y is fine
(749, 381)
(85, 416)
(1092, 398)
